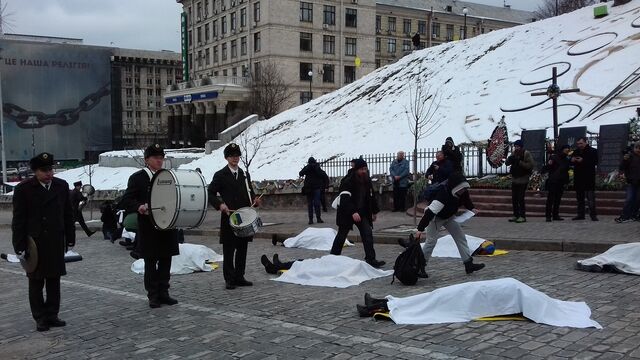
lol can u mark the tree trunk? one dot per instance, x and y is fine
(415, 180)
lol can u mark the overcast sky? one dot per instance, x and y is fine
(137, 24)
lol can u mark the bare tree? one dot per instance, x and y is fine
(269, 91)
(250, 146)
(421, 112)
(6, 22)
(548, 7)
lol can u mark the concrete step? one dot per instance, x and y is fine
(504, 199)
(568, 194)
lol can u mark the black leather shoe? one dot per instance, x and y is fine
(548, 219)
(229, 285)
(594, 218)
(578, 218)
(376, 263)
(243, 282)
(56, 322)
(274, 239)
(154, 303)
(125, 242)
(134, 255)
(423, 274)
(42, 325)
(268, 265)
(167, 300)
(310, 222)
(320, 221)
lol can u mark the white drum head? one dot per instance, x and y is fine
(164, 199)
(247, 216)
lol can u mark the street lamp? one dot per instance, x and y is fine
(310, 73)
(556, 7)
(465, 11)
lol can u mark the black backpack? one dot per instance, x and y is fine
(408, 264)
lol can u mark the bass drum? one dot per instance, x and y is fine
(178, 200)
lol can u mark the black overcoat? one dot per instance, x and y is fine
(584, 173)
(76, 198)
(46, 216)
(233, 192)
(347, 206)
(153, 243)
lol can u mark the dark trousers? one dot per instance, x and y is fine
(554, 195)
(156, 277)
(41, 309)
(399, 198)
(323, 200)
(518, 192)
(80, 219)
(234, 261)
(591, 200)
(631, 202)
(366, 233)
(313, 203)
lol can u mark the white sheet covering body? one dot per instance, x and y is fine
(625, 258)
(472, 300)
(314, 239)
(331, 271)
(446, 247)
(192, 258)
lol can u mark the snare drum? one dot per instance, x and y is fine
(178, 199)
(245, 222)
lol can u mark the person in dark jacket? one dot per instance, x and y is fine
(109, 220)
(155, 246)
(558, 169)
(453, 154)
(236, 191)
(442, 212)
(439, 170)
(522, 164)
(585, 160)
(78, 198)
(357, 206)
(315, 179)
(399, 171)
(630, 165)
(42, 210)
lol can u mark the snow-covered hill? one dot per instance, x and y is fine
(478, 79)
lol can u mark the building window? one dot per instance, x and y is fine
(214, 26)
(256, 11)
(435, 30)
(378, 23)
(349, 74)
(215, 54)
(350, 46)
(450, 32)
(257, 71)
(351, 17)
(224, 72)
(406, 45)
(378, 41)
(406, 26)
(190, 39)
(190, 61)
(149, 92)
(199, 34)
(256, 42)
(234, 49)
(243, 45)
(199, 60)
(206, 33)
(391, 46)
(306, 42)
(128, 92)
(422, 27)
(233, 21)
(329, 15)
(304, 71)
(328, 73)
(207, 57)
(329, 44)
(129, 114)
(392, 24)
(234, 72)
(305, 97)
(206, 8)
(243, 17)
(377, 63)
(224, 51)
(223, 25)
(199, 11)
(306, 11)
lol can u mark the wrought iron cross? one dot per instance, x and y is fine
(553, 92)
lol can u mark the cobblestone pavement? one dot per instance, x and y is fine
(107, 315)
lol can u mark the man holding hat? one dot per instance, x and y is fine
(236, 191)
(76, 198)
(558, 169)
(42, 211)
(155, 246)
(357, 206)
(521, 163)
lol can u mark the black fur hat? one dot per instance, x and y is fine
(232, 150)
(154, 150)
(42, 161)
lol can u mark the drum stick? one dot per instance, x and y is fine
(254, 201)
(158, 208)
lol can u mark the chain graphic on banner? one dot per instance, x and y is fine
(26, 119)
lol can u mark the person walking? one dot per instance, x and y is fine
(399, 171)
(522, 164)
(42, 211)
(631, 167)
(357, 207)
(77, 200)
(315, 180)
(558, 169)
(585, 160)
(453, 153)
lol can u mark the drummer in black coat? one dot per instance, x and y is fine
(155, 246)
(236, 191)
(42, 211)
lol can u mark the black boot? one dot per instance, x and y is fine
(422, 273)
(371, 301)
(274, 239)
(368, 311)
(319, 221)
(268, 265)
(276, 260)
(470, 267)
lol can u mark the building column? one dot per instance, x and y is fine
(198, 135)
(186, 125)
(171, 113)
(221, 118)
(209, 121)
(177, 127)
